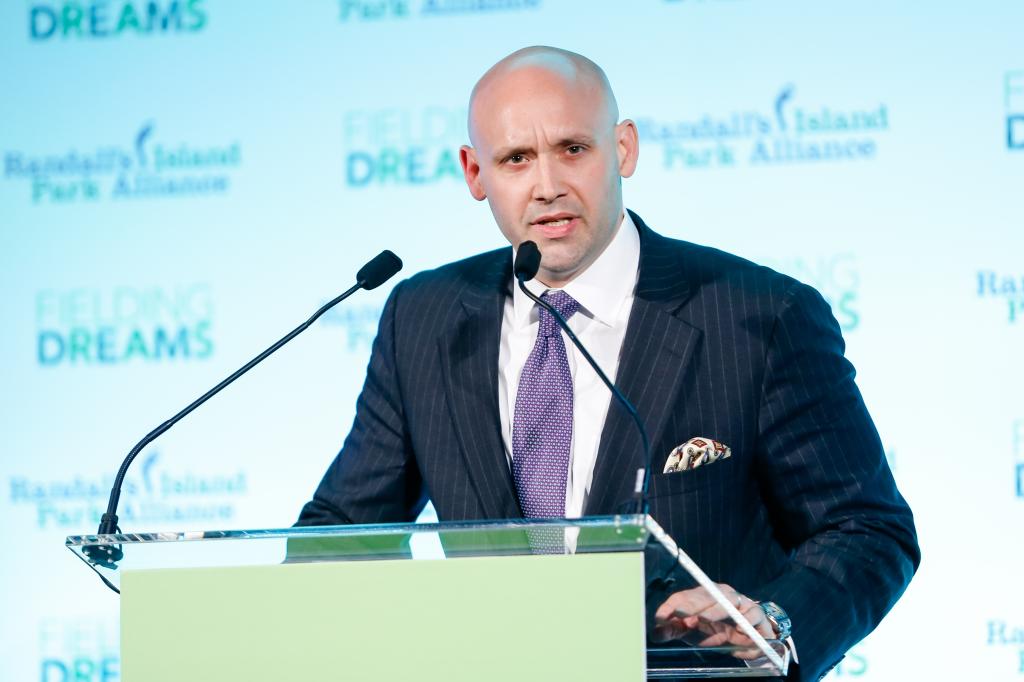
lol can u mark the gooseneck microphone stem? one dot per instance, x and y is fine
(108, 522)
(370, 276)
(525, 268)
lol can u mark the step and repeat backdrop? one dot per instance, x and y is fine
(184, 181)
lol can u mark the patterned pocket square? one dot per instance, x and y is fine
(694, 453)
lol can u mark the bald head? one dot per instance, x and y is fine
(549, 67)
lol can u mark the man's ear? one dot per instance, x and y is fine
(471, 171)
(627, 145)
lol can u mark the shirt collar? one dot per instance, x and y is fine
(602, 288)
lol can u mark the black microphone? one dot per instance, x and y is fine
(378, 270)
(525, 268)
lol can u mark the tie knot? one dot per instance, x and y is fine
(566, 306)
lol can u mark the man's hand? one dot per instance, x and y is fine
(694, 614)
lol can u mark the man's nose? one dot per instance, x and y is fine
(548, 184)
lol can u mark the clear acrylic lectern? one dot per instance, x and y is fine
(564, 599)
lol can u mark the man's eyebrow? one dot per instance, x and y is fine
(570, 140)
(503, 153)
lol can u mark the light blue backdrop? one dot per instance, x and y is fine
(185, 181)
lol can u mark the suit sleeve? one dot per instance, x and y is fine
(831, 495)
(374, 479)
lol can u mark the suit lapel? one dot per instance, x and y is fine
(469, 361)
(656, 351)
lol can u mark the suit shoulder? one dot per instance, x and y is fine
(741, 299)
(726, 272)
(721, 276)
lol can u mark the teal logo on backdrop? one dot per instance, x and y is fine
(379, 10)
(153, 494)
(101, 19)
(124, 325)
(359, 324)
(835, 276)
(1007, 635)
(79, 649)
(854, 664)
(414, 146)
(1007, 289)
(785, 132)
(1013, 94)
(147, 168)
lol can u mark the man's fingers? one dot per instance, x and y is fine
(668, 631)
(734, 637)
(754, 615)
(715, 611)
(759, 619)
(684, 603)
(693, 601)
(668, 608)
(717, 639)
(695, 610)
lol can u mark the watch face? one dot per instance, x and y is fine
(778, 618)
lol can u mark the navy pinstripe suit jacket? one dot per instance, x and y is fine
(805, 512)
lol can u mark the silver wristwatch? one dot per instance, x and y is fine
(778, 618)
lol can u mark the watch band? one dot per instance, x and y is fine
(778, 618)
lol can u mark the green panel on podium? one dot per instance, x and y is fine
(375, 620)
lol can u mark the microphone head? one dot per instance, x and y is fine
(379, 270)
(527, 261)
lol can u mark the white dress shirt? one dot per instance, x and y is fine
(605, 293)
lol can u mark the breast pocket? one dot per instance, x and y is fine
(693, 480)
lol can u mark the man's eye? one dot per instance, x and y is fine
(575, 148)
(516, 158)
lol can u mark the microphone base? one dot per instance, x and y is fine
(106, 556)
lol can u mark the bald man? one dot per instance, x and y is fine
(474, 400)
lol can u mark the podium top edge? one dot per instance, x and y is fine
(638, 521)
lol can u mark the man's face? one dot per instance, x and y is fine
(548, 159)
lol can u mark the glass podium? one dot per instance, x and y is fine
(497, 600)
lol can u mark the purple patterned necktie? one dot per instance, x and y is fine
(542, 426)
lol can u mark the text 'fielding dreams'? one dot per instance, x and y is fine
(93, 326)
(406, 146)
